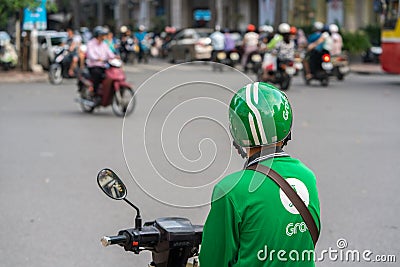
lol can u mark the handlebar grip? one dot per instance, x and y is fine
(112, 240)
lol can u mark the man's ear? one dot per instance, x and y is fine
(240, 150)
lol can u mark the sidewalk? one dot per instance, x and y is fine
(17, 76)
(366, 68)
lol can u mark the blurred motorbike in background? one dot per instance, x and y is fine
(114, 90)
(320, 66)
(58, 69)
(340, 66)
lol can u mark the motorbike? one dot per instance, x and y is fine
(340, 66)
(320, 67)
(8, 56)
(128, 50)
(113, 90)
(171, 240)
(372, 54)
(58, 70)
(281, 76)
(230, 58)
(254, 62)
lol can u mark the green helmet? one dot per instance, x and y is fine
(259, 115)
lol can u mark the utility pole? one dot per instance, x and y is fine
(278, 14)
(18, 37)
(77, 11)
(100, 12)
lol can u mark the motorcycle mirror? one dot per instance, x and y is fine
(111, 185)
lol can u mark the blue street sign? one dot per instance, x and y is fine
(202, 14)
(36, 18)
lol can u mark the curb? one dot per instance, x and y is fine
(22, 77)
(366, 69)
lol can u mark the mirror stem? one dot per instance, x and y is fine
(138, 219)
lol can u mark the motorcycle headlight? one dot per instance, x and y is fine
(234, 56)
(221, 55)
(256, 58)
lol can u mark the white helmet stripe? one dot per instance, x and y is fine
(256, 92)
(255, 110)
(253, 130)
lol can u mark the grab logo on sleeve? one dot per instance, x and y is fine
(300, 189)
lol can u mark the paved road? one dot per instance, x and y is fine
(53, 213)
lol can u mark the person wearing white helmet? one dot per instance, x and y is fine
(284, 49)
(265, 36)
(337, 40)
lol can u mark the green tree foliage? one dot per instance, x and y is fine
(355, 42)
(8, 8)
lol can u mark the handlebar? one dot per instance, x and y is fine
(113, 240)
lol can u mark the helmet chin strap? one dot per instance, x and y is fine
(240, 150)
(287, 139)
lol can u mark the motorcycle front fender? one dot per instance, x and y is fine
(119, 84)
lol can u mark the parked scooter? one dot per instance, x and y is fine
(172, 240)
(340, 66)
(114, 91)
(59, 68)
(320, 66)
(8, 56)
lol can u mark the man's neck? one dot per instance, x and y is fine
(254, 150)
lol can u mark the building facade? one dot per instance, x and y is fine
(233, 14)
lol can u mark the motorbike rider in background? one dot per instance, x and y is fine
(266, 33)
(283, 50)
(111, 42)
(98, 53)
(314, 49)
(140, 37)
(217, 42)
(250, 44)
(229, 43)
(337, 40)
(73, 42)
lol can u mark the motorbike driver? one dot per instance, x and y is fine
(266, 33)
(283, 49)
(315, 46)
(250, 44)
(217, 42)
(249, 217)
(73, 42)
(141, 40)
(98, 53)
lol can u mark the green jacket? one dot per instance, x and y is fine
(250, 221)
